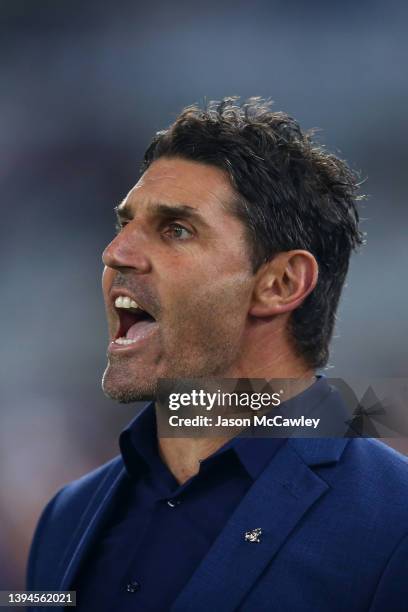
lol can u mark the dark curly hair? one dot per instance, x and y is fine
(290, 194)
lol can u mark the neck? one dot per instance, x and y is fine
(183, 455)
(267, 352)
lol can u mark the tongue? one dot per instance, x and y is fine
(134, 331)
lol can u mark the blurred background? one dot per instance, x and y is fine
(84, 86)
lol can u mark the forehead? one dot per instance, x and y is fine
(183, 182)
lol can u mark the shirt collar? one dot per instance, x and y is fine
(138, 446)
(256, 452)
(139, 449)
(138, 442)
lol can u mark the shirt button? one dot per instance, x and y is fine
(172, 503)
(133, 586)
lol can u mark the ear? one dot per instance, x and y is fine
(283, 283)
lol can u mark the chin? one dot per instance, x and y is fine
(125, 391)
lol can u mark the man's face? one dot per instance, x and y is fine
(182, 257)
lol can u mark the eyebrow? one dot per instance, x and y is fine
(181, 211)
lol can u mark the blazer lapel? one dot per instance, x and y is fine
(88, 526)
(276, 503)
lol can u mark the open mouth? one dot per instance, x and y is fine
(134, 322)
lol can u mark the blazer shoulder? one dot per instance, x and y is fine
(81, 491)
(74, 497)
(375, 461)
(372, 478)
(62, 514)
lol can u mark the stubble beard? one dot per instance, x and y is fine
(203, 341)
(207, 357)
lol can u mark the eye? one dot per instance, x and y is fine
(119, 225)
(175, 231)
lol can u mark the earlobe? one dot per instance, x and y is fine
(284, 283)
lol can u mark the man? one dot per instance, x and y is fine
(230, 257)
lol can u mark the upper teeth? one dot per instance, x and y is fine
(124, 301)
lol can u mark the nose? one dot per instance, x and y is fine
(127, 250)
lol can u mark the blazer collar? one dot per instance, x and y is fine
(285, 490)
(276, 502)
(279, 498)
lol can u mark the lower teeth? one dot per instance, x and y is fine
(124, 341)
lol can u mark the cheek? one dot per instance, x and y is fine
(214, 303)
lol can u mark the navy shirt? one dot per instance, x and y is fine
(159, 530)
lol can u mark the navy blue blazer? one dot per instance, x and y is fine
(334, 520)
